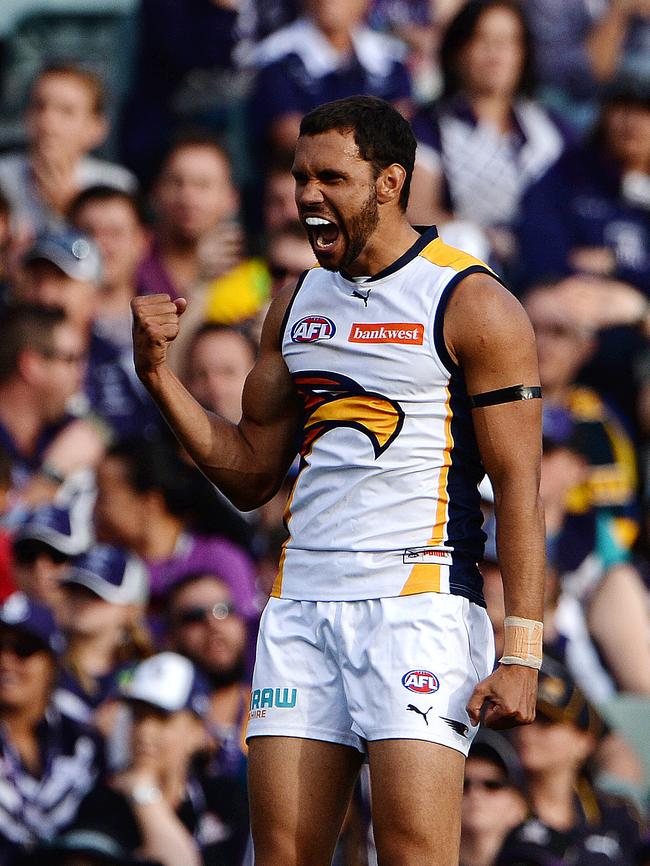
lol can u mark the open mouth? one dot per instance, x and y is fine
(323, 233)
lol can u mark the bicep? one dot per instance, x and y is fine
(491, 337)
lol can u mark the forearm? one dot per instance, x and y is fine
(217, 446)
(165, 838)
(520, 547)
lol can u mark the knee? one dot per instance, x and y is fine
(415, 849)
(284, 849)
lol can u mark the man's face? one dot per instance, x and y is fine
(26, 671)
(336, 197)
(219, 364)
(490, 803)
(121, 239)
(120, 512)
(206, 629)
(62, 371)
(61, 121)
(45, 283)
(492, 60)
(336, 15)
(195, 192)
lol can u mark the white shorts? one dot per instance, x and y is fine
(386, 668)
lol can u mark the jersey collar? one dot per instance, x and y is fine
(427, 234)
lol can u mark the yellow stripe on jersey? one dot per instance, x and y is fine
(424, 577)
(276, 591)
(441, 254)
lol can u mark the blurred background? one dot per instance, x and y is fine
(146, 146)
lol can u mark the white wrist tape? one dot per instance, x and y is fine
(523, 642)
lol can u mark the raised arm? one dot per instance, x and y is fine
(249, 460)
(489, 335)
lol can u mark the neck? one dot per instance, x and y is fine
(180, 258)
(339, 39)
(161, 537)
(19, 414)
(94, 655)
(386, 245)
(21, 727)
(553, 797)
(493, 108)
(115, 299)
(480, 848)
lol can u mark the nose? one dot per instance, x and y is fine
(308, 194)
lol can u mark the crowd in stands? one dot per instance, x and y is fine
(130, 588)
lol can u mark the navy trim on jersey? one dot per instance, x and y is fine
(427, 234)
(445, 297)
(464, 532)
(287, 312)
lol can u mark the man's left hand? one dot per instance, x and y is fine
(506, 698)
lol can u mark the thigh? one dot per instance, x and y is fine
(417, 789)
(299, 792)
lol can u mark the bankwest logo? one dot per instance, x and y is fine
(387, 332)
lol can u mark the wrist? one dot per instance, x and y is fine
(523, 642)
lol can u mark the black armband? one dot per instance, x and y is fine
(506, 395)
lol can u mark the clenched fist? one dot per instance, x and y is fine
(155, 325)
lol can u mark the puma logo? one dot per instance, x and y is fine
(424, 715)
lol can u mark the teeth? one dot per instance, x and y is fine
(317, 221)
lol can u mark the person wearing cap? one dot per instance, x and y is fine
(43, 544)
(568, 816)
(48, 762)
(494, 800)
(160, 802)
(65, 121)
(63, 268)
(105, 594)
(42, 363)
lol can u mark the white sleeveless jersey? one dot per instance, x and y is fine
(386, 500)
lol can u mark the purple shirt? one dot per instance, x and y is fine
(216, 555)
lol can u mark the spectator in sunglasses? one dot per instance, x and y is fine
(206, 626)
(48, 762)
(493, 798)
(43, 545)
(105, 595)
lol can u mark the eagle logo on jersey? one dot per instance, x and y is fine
(332, 400)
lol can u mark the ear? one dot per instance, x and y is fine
(389, 183)
(30, 366)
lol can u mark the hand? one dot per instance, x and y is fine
(595, 303)
(593, 260)
(221, 250)
(506, 698)
(155, 325)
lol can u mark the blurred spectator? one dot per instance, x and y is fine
(485, 141)
(569, 818)
(42, 360)
(181, 74)
(105, 594)
(65, 122)
(43, 545)
(494, 801)
(581, 44)
(198, 246)
(5, 249)
(218, 361)
(205, 625)
(49, 762)
(160, 802)
(564, 345)
(289, 254)
(115, 220)
(328, 53)
(590, 213)
(279, 199)
(63, 269)
(7, 580)
(82, 846)
(145, 502)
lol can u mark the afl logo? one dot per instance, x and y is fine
(312, 329)
(421, 682)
